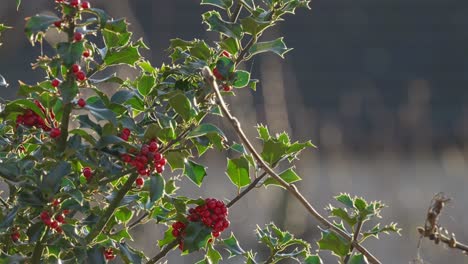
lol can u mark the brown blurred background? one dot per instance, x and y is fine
(378, 86)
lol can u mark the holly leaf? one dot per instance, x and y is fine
(195, 172)
(216, 23)
(70, 53)
(232, 246)
(156, 187)
(276, 46)
(224, 4)
(196, 236)
(313, 259)
(288, 176)
(37, 25)
(358, 259)
(241, 79)
(333, 242)
(128, 55)
(238, 171)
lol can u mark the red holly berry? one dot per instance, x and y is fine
(109, 254)
(217, 74)
(153, 146)
(60, 218)
(56, 202)
(85, 5)
(78, 36)
(76, 68)
(86, 53)
(44, 215)
(58, 229)
(81, 102)
(66, 211)
(227, 88)
(162, 162)
(87, 172)
(215, 234)
(226, 54)
(159, 169)
(55, 132)
(15, 236)
(54, 224)
(55, 82)
(58, 24)
(80, 76)
(139, 182)
(75, 3)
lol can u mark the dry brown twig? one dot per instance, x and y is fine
(291, 188)
(432, 227)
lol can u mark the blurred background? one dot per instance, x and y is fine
(378, 86)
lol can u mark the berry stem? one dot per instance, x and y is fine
(211, 81)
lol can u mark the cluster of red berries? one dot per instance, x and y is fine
(87, 173)
(219, 76)
(213, 214)
(148, 159)
(75, 3)
(54, 221)
(79, 74)
(109, 254)
(31, 119)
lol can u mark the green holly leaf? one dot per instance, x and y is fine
(238, 171)
(225, 67)
(205, 129)
(128, 55)
(156, 188)
(224, 4)
(114, 39)
(313, 259)
(345, 199)
(122, 96)
(51, 182)
(358, 259)
(130, 255)
(343, 215)
(216, 23)
(254, 26)
(231, 45)
(276, 46)
(95, 256)
(196, 236)
(102, 114)
(288, 176)
(7, 221)
(182, 106)
(37, 25)
(195, 172)
(70, 53)
(145, 84)
(333, 242)
(212, 255)
(232, 246)
(123, 215)
(241, 79)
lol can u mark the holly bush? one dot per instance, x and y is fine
(81, 173)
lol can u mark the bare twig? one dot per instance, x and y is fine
(432, 227)
(356, 233)
(163, 252)
(290, 187)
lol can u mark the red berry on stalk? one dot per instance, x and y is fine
(226, 54)
(87, 172)
(159, 169)
(76, 68)
(85, 5)
(55, 132)
(75, 3)
(78, 36)
(58, 24)
(139, 182)
(60, 218)
(227, 88)
(15, 236)
(55, 83)
(80, 76)
(54, 224)
(215, 234)
(56, 202)
(86, 53)
(81, 102)
(58, 229)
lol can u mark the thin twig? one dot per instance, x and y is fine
(290, 187)
(37, 253)
(163, 252)
(355, 239)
